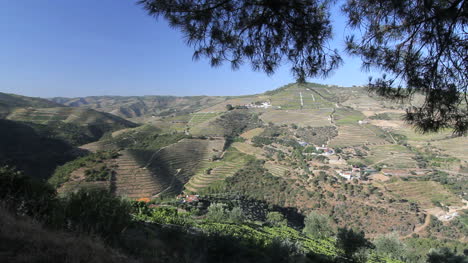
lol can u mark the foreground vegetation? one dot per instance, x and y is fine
(174, 231)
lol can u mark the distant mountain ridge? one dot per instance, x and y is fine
(38, 134)
(140, 106)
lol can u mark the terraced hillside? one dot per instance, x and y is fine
(427, 194)
(133, 180)
(171, 167)
(217, 171)
(351, 135)
(302, 118)
(392, 155)
(201, 117)
(276, 169)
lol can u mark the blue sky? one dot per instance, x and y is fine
(112, 47)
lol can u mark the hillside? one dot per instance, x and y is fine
(11, 101)
(34, 153)
(37, 135)
(336, 151)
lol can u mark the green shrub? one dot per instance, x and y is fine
(390, 246)
(236, 215)
(276, 219)
(349, 242)
(317, 225)
(24, 195)
(216, 212)
(97, 211)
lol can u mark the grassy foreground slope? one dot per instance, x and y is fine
(171, 232)
(24, 240)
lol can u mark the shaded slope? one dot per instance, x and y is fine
(31, 152)
(96, 123)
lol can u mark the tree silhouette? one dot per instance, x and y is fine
(422, 45)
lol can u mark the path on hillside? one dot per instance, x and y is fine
(419, 229)
(383, 160)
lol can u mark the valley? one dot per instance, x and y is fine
(338, 151)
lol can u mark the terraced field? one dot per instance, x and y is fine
(455, 147)
(393, 155)
(347, 116)
(415, 137)
(201, 117)
(133, 180)
(351, 135)
(303, 118)
(291, 99)
(276, 169)
(424, 193)
(207, 129)
(173, 166)
(232, 161)
(249, 149)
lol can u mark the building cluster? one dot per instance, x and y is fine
(188, 198)
(325, 150)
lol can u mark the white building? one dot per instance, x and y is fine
(264, 105)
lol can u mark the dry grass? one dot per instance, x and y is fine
(351, 135)
(414, 136)
(22, 240)
(303, 118)
(276, 169)
(456, 147)
(198, 118)
(423, 193)
(252, 133)
(395, 156)
(249, 149)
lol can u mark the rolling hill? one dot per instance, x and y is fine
(37, 135)
(140, 108)
(339, 151)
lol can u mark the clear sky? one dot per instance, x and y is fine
(112, 47)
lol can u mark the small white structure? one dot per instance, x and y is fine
(264, 105)
(362, 122)
(345, 174)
